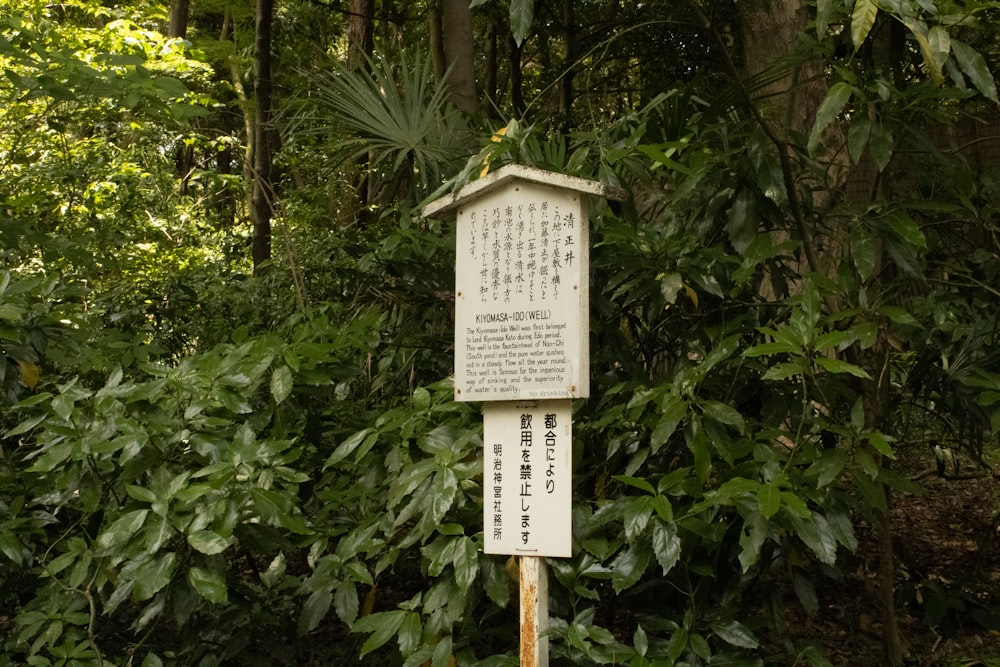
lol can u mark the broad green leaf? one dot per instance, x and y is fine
(735, 633)
(903, 226)
(831, 106)
(628, 567)
(857, 137)
(207, 542)
(815, 533)
(673, 409)
(666, 545)
(880, 443)
(314, 610)
(466, 563)
(345, 602)
(805, 590)
(862, 20)
(382, 625)
(724, 414)
(522, 15)
(409, 634)
(769, 499)
(975, 67)
(880, 144)
(863, 253)
(152, 576)
(824, 9)
(281, 383)
(841, 366)
(752, 538)
(743, 222)
(827, 467)
(636, 482)
(636, 512)
(123, 528)
(209, 584)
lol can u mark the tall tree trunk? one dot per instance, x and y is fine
(360, 46)
(459, 51)
(490, 104)
(516, 77)
(179, 10)
(261, 199)
(566, 82)
(436, 39)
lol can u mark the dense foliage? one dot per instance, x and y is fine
(203, 464)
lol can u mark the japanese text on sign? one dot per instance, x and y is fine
(529, 511)
(521, 296)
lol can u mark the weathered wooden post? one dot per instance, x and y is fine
(522, 347)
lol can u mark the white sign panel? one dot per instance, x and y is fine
(521, 295)
(527, 478)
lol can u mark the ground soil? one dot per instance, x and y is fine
(947, 581)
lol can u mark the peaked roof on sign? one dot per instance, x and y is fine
(447, 205)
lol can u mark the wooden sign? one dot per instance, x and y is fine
(521, 285)
(527, 478)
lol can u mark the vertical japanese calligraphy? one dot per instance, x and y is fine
(529, 506)
(521, 295)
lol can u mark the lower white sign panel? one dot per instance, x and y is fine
(528, 475)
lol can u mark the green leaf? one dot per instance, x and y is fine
(857, 137)
(903, 226)
(824, 9)
(975, 67)
(723, 413)
(666, 545)
(880, 144)
(409, 634)
(862, 20)
(209, 584)
(769, 499)
(152, 576)
(207, 542)
(314, 610)
(466, 563)
(630, 564)
(522, 15)
(752, 538)
(383, 625)
(735, 633)
(863, 252)
(831, 106)
(841, 366)
(119, 532)
(673, 409)
(281, 383)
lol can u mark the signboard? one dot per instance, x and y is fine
(521, 284)
(527, 478)
(521, 295)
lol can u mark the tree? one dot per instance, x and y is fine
(262, 195)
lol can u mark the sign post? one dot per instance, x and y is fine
(522, 347)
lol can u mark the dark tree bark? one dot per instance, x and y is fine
(566, 82)
(261, 199)
(360, 46)
(179, 10)
(436, 39)
(360, 33)
(516, 77)
(490, 103)
(456, 26)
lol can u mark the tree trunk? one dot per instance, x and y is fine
(360, 46)
(566, 82)
(177, 27)
(456, 27)
(261, 199)
(360, 33)
(516, 77)
(436, 39)
(490, 103)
